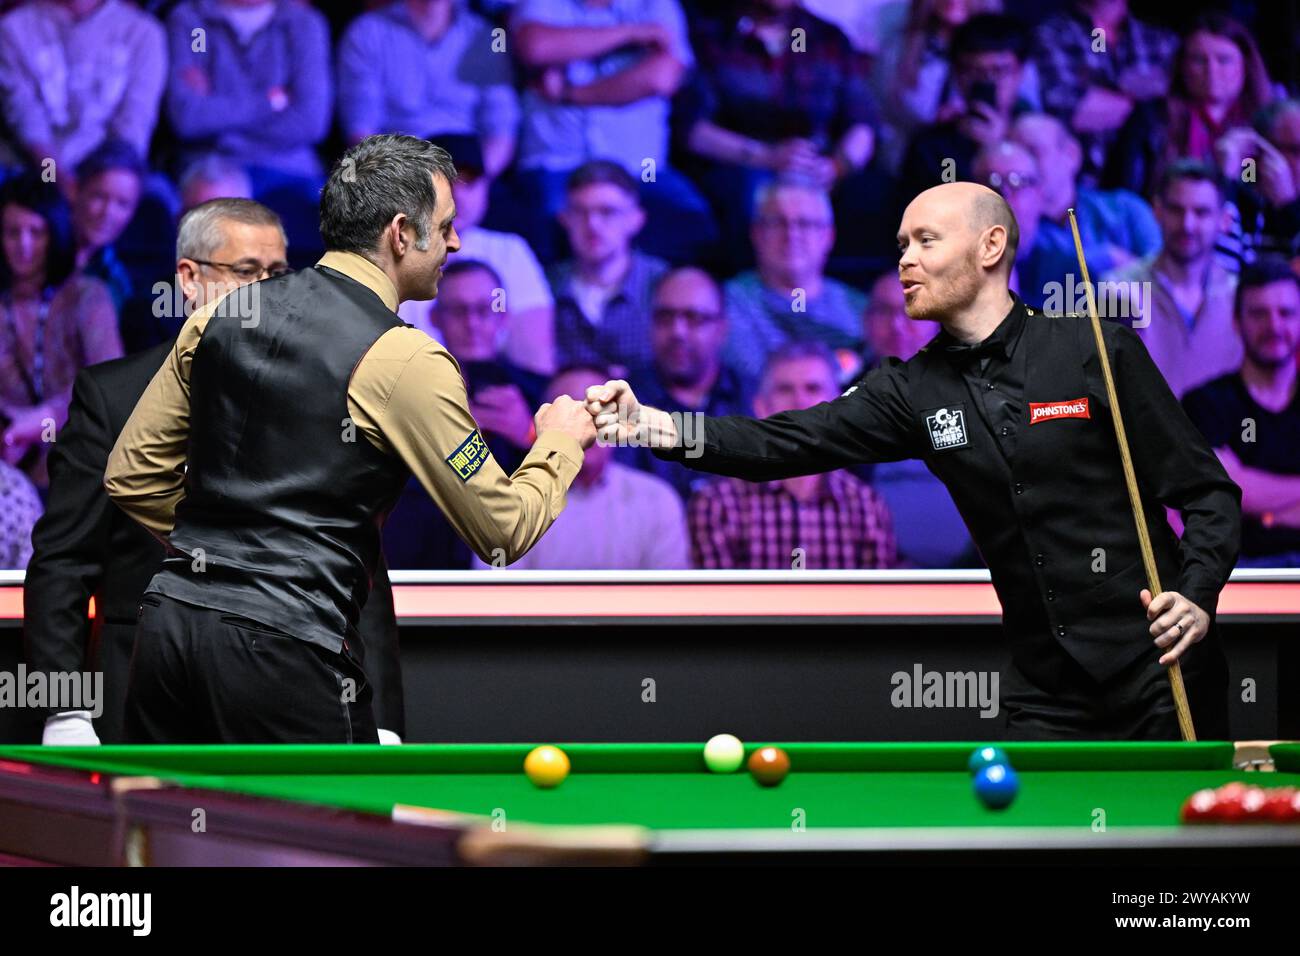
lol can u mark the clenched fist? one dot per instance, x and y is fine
(568, 416)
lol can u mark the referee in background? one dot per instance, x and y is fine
(1008, 408)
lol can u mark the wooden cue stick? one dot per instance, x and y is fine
(1175, 671)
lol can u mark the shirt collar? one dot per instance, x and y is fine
(1000, 342)
(360, 269)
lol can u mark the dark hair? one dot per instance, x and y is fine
(460, 267)
(1263, 271)
(29, 191)
(112, 154)
(603, 171)
(375, 180)
(1196, 170)
(1256, 90)
(988, 33)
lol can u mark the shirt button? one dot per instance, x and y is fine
(1020, 489)
(1060, 631)
(1051, 595)
(1039, 560)
(1006, 430)
(989, 386)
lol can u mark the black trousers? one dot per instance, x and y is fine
(1062, 702)
(201, 675)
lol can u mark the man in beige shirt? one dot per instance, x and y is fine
(270, 447)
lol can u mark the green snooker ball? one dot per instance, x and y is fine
(724, 753)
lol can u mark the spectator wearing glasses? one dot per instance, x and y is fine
(1116, 226)
(788, 296)
(988, 57)
(688, 329)
(53, 321)
(423, 66)
(1012, 172)
(828, 520)
(530, 312)
(77, 72)
(1252, 415)
(602, 295)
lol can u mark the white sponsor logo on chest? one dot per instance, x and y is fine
(947, 428)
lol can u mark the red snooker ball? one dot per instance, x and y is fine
(769, 765)
(1200, 807)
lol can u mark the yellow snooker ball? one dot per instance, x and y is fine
(546, 766)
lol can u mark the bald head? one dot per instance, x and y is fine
(956, 243)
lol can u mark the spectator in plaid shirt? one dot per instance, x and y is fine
(830, 520)
(1093, 89)
(602, 296)
(781, 92)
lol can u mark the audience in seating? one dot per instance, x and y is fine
(1115, 226)
(687, 330)
(1096, 64)
(988, 58)
(109, 183)
(1251, 415)
(598, 81)
(55, 322)
(74, 73)
(788, 296)
(530, 333)
(602, 295)
(831, 520)
(1219, 82)
(1011, 170)
(1179, 300)
(213, 178)
(1265, 207)
(428, 66)
(615, 517)
(784, 94)
(472, 317)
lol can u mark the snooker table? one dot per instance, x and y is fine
(622, 804)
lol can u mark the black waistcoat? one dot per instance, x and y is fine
(284, 497)
(1054, 522)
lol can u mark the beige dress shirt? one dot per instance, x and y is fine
(407, 397)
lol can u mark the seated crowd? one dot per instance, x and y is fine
(699, 197)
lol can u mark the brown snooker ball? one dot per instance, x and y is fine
(769, 765)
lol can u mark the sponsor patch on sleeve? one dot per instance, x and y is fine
(468, 456)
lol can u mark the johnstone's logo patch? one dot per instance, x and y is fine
(947, 428)
(469, 456)
(1046, 411)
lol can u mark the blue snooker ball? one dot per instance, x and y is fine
(996, 785)
(986, 756)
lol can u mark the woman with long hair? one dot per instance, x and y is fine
(53, 321)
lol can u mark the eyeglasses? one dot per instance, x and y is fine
(598, 212)
(1012, 181)
(248, 271)
(798, 225)
(664, 315)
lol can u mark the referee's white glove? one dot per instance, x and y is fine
(70, 729)
(388, 737)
